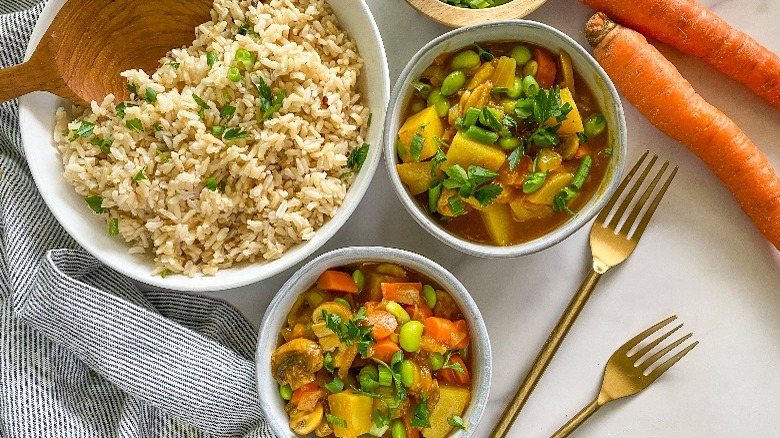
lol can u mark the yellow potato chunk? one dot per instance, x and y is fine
(573, 122)
(465, 152)
(554, 184)
(426, 123)
(498, 221)
(416, 176)
(353, 408)
(452, 401)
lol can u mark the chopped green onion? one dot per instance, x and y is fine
(234, 74)
(211, 184)
(245, 59)
(480, 134)
(140, 176)
(211, 58)
(135, 125)
(113, 227)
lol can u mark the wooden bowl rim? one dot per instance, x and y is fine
(455, 16)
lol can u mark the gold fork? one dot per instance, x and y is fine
(625, 376)
(610, 246)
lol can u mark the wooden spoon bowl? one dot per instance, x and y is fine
(454, 16)
(90, 42)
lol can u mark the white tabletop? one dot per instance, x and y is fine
(701, 258)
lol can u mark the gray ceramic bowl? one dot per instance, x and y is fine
(276, 315)
(513, 30)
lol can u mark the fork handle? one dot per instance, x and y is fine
(546, 354)
(576, 420)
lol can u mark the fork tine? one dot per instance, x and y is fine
(628, 346)
(639, 354)
(641, 203)
(656, 373)
(631, 193)
(611, 203)
(654, 358)
(649, 213)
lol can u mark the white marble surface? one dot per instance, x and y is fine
(701, 258)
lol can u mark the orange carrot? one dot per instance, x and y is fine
(445, 331)
(337, 281)
(384, 324)
(298, 393)
(548, 69)
(655, 87)
(694, 29)
(404, 293)
(449, 375)
(419, 312)
(384, 350)
(410, 431)
(461, 331)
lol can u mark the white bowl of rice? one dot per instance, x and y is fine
(225, 169)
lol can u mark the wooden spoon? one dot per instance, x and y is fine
(90, 42)
(454, 16)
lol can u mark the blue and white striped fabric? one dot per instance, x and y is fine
(83, 352)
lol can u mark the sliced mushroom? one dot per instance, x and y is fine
(332, 308)
(304, 423)
(324, 429)
(295, 362)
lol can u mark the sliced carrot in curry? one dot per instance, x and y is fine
(404, 293)
(384, 324)
(548, 69)
(384, 350)
(451, 376)
(337, 281)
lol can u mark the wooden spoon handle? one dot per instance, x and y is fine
(21, 79)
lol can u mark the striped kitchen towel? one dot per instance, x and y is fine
(84, 352)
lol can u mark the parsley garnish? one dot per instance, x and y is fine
(327, 362)
(357, 157)
(163, 156)
(545, 106)
(421, 414)
(175, 65)
(336, 421)
(468, 183)
(457, 422)
(246, 28)
(448, 364)
(439, 157)
(349, 332)
(268, 102)
(211, 184)
(135, 125)
(235, 134)
(202, 104)
(95, 203)
(151, 95)
(120, 109)
(227, 111)
(140, 175)
(157, 127)
(485, 55)
(103, 144)
(380, 418)
(133, 89)
(84, 130)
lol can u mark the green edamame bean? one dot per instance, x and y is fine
(465, 60)
(430, 295)
(360, 279)
(435, 96)
(517, 90)
(398, 429)
(406, 371)
(442, 107)
(437, 361)
(286, 392)
(522, 54)
(343, 302)
(595, 125)
(395, 309)
(453, 83)
(509, 143)
(417, 106)
(410, 336)
(530, 86)
(531, 68)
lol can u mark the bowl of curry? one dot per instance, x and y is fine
(373, 341)
(504, 138)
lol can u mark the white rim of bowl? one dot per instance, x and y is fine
(268, 336)
(538, 244)
(292, 257)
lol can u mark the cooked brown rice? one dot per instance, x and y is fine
(280, 184)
